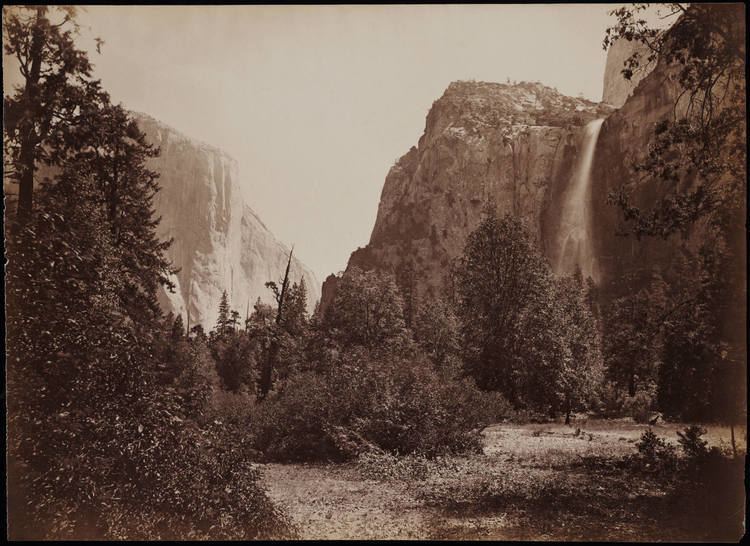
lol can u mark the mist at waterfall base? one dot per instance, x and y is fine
(575, 242)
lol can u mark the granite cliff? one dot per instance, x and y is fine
(512, 147)
(616, 89)
(624, 138)
(219, 242)
(517, 148)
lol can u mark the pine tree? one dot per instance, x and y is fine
(578, 377)
(223, 322)
(56, 80)
(178, 329)
(269, 363)
(295, 316)
(234, 320)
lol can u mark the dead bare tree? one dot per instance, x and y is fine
(266, 375)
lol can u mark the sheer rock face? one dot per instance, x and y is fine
(616, 88)
(509, 147)
(219, 242)
(624, 141)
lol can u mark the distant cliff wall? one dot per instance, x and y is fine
(219, 242)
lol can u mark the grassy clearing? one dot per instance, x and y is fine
(537, 481)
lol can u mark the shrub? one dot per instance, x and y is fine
(291, 426)
(104, 469)
(368, 402)
(693, 446)
(655, 452)
(638, 407)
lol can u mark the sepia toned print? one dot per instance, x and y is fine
(231, 315)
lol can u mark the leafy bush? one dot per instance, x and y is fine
(693, 446)
(639, 406)
(656, 453)
(292, 426)
(367, 402)
(106, 469)
(225, 407)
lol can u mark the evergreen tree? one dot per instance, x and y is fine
(295, 316)
(178, 329)
(235, 361)
(197, 333)
(234, 320)
(276, 332)
(56, 81)
(580, 375)
(223, 322)
(112, 151)
(632, 334)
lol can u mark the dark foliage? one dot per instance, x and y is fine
(104, 396)
(372, 402)
(696, 159)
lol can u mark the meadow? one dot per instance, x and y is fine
(546, 481)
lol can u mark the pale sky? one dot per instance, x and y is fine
(317, 102)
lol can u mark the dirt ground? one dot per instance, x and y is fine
(540, 489)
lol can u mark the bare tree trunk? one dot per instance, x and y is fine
(29, 137)
(631, 384)
(266, 375)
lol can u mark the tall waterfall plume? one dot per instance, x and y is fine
(575, 244)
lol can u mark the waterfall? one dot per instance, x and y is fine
(575, 247)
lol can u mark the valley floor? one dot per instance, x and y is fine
(532, 482)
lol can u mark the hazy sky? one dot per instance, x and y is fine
(317, 102)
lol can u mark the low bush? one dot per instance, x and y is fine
(291, 426)
(692, 443)
(656, 453)
(367, 401)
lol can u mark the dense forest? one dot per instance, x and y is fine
(124, 422)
